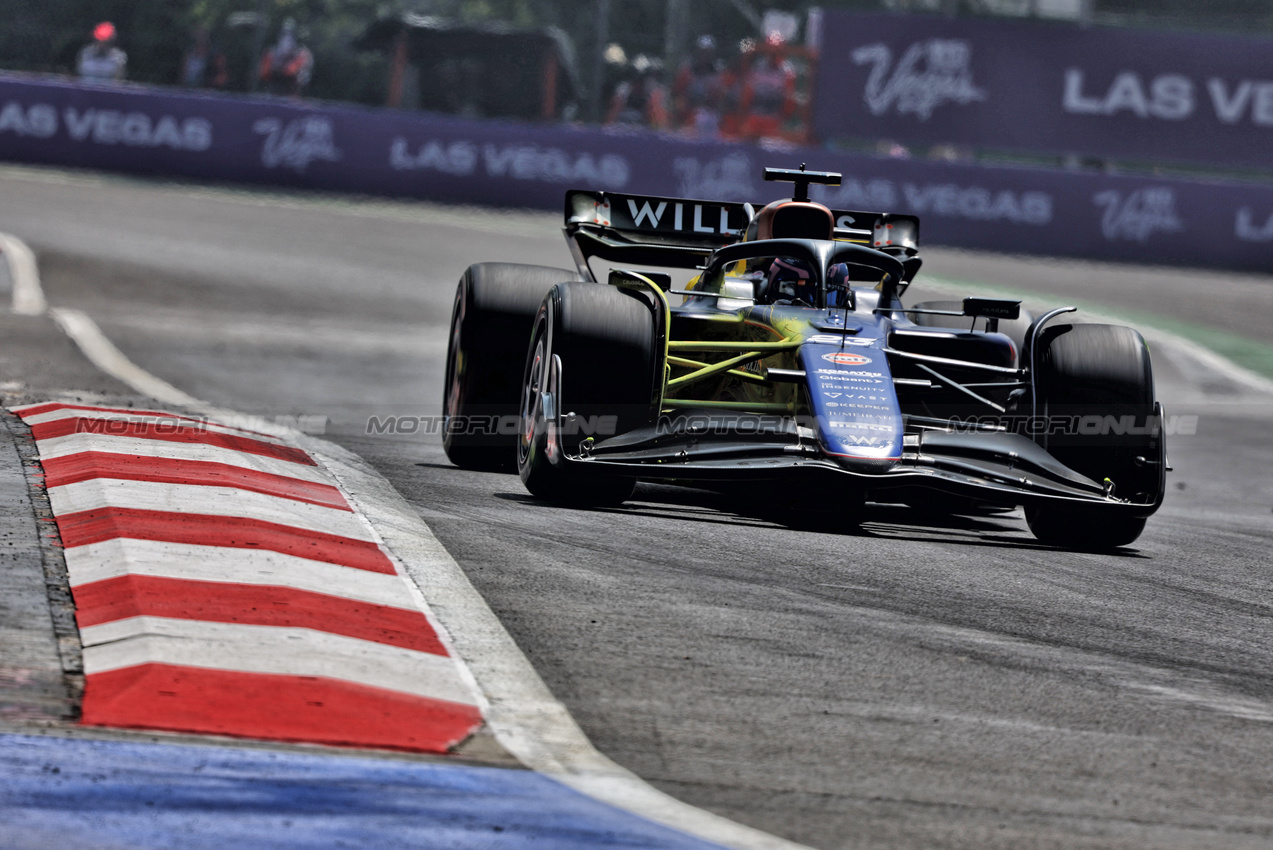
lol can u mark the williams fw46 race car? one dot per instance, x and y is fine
(786, 357)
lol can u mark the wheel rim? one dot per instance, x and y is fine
(532, 408)
(454, 369)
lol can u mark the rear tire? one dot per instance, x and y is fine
(1098, 378)
(495, 305)
(592, 353)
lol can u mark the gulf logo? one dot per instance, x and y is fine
(847, 358)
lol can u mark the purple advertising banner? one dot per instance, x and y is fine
(409, 154)
(1055, 88)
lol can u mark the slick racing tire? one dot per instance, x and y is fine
(592, 362)
(495, 305)
(1095, 392)
(1014, 329)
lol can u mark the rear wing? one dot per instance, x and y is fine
(682, 232)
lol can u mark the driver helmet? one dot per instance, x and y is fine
(837, 284)
(790, 279)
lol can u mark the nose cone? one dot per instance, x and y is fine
(852, 399)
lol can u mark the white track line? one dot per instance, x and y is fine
(1218, 362)
(28, 297)
(105, 356)
(1253, 381)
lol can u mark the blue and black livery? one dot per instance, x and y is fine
(788, 356)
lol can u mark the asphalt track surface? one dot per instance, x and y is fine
(921, 682)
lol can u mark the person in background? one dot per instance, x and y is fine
(204, 66)
(286, 67)
(640, 102)
(731, 90)
(768, 92)
(101, 59)
(698, 90)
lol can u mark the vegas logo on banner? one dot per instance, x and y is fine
(1049, 89)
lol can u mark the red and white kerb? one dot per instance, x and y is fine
(223, 584)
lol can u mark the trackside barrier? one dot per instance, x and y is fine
(1018, 85)
(146, 130)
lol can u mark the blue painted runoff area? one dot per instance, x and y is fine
(119, 795)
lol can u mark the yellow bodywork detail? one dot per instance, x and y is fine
(788, 344)
(740, 376)
(699, 364)
(715, 368)
(746, 406)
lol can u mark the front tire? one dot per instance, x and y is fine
(495, 306)
(1095, 391)
(591, 370)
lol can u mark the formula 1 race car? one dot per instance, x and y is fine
(788, 357)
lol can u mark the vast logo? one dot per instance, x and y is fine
(929, 74)
(1138, 215)
(296, 145)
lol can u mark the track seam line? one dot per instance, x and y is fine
(103, 354)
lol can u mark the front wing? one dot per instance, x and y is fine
(987, 466)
